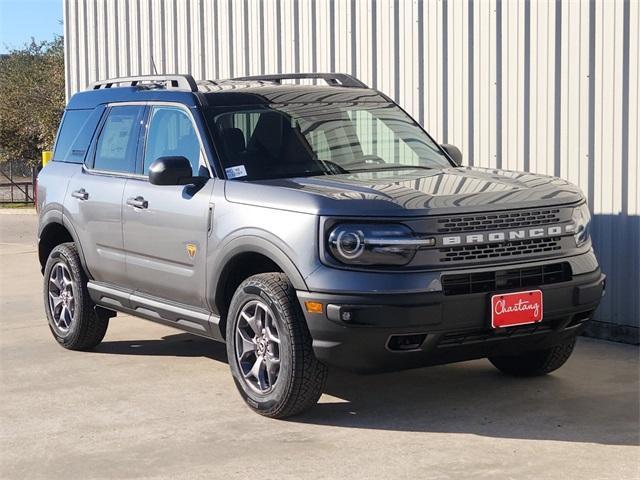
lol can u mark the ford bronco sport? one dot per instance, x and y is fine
(304, 225)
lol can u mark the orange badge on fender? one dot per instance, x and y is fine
(191, 250)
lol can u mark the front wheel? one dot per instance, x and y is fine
(536, 363)
(269, 348)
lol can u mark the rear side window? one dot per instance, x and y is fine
(116, 146)
(74, 137)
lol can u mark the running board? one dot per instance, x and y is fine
(199, 322)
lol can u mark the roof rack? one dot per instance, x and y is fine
(177, 82)
(333, 79)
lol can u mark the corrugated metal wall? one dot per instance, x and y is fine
(546, 86)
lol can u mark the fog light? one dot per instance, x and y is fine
(341, 313)
(346, 315)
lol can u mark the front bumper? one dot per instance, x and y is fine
(440, 328)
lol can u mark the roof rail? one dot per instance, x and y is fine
(333, 79)
(178, 82)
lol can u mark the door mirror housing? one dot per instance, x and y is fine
(453, 152)
(173, 171)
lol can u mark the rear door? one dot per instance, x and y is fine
(94, 195)
(166, 228)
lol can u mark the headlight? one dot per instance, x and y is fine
(581, 221)
(375, 244)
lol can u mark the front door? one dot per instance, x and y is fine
(94, 196)
(166, 227)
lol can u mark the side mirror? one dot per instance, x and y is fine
(173, 171)
(453, 152)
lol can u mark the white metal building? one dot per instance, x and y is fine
(548, 86)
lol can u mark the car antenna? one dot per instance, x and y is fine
(153, 64)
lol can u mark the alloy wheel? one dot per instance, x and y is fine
(257, 346)
(61, 298)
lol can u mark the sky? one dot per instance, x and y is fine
(22, 19)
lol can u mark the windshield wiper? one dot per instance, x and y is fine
(391, 167)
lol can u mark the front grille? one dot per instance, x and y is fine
(494, 238)
(480, 282)
(499, 221)
(529, 246)
(479, 336)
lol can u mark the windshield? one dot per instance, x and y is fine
(293, 140)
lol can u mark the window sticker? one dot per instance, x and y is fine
(235, 172)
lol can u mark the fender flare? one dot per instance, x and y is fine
(251, 243)
(46, 218)
(59, 218)
(69, 226)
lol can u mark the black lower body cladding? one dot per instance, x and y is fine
(386, 332)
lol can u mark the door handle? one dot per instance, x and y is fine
(138, 202)
(81, 194)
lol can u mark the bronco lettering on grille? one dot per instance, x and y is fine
(508, 235)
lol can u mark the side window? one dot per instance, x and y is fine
(382, 138)
(171, 134)
(71, 128)
(116, 147)
(76, 131)
(318, 141)
(392, 138)
(246, 123)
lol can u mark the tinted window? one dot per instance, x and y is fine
(171, 134)
(116, 147)
(75, 135)
(289, 140)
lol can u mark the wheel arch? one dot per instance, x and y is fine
(244, 257)
(52, 233)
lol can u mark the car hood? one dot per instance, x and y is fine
(407, 192)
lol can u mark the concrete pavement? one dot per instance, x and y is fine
(151, 402)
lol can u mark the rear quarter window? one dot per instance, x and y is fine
(75, 134)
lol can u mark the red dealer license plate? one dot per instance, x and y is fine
(519, 308)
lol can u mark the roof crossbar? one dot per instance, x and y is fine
(333, 79)
(177, 82)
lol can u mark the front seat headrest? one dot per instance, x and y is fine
(233, 140)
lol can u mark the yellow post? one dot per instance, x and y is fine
(46, 157)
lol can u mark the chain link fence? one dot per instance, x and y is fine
(17, 182)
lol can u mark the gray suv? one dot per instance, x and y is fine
(306, 226)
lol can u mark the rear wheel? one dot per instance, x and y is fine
(269, 348)
(72, 318)
(536, 363)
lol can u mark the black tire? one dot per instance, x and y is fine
(536, 363)
(86, 328)
(301, 377)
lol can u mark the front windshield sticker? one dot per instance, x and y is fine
(235, 172)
